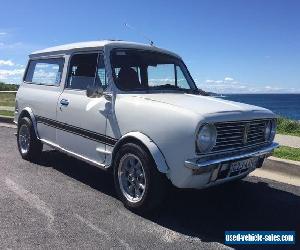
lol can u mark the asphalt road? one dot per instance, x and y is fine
(64, 203)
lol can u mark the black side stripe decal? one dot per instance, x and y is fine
(78, 131)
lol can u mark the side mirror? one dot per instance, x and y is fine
(94, 91)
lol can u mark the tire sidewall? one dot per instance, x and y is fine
(27, 122)
(136, 150)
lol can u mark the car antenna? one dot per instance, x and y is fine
(140, 33)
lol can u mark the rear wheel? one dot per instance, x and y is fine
(138, 183)
(29, 145)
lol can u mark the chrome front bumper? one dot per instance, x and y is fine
(203, 164)
(206, 172)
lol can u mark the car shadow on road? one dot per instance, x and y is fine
(92, 176)
(251, 204)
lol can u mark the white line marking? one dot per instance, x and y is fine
(167, 235)
(100, 231)
(32, 199)
(92, 226)
(276, 176)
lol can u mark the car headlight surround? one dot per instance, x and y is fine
(206, 138)
(270, 130)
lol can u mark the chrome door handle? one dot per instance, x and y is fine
(64, 102)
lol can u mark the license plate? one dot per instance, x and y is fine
(241, 166)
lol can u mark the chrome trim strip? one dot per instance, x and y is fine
(254, 120)
(197, 164)
(33, 119)
(78, 156)
(103, 151)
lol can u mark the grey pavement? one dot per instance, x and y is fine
(62, 203)
(288, 140)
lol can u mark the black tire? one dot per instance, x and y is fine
(156, 188)
(35, 146)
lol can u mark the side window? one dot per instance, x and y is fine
(45, 71)
(181, 80)
(84, 71)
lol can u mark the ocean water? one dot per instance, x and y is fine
(287, 105)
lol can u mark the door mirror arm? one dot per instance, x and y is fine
(108, 96)
(94, 91)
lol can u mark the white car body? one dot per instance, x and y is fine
(166, 123)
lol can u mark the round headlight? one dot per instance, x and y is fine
(270, 130)
(207, 137)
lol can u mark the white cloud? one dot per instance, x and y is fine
(161, 79)
(6, 62)
(5, 74)
(3, 33)
(226, 79)
(41, 74)
(17, 45)
(229, 85)
(42, 65)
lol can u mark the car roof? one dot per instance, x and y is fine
(90, 45)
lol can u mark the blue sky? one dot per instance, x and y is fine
(229, 46)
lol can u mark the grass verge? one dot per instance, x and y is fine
(288, 153)
(7, 99)
(6, 113)
(288, 127)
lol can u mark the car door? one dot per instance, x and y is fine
(82, 120)
(41, 90)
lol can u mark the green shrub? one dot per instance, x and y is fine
(8, 87)
(288, 127)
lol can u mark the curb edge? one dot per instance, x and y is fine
(282, 166)
(6, 119)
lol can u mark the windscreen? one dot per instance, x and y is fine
(147, 70)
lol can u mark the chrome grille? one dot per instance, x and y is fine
(240, 134)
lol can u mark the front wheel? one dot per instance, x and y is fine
(138, 183)
(29, 145)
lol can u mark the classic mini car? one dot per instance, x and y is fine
(135, 109)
